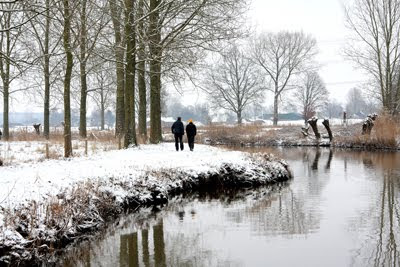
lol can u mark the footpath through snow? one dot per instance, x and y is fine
(46, 205)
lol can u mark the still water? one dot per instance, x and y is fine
(341, 209)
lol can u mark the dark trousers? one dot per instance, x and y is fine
(191, 142)
(178, 138)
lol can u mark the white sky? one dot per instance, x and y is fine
(324, 19)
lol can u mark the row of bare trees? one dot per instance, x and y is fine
(64, 50)
(275, 62)
(283, 57)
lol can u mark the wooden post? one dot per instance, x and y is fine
(344, 118)
(328, 129)
(86, 147)
(47, 151)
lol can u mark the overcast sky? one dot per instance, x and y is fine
(324, 19)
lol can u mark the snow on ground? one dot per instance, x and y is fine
(17, 152)
(54, 202)
(37, 181)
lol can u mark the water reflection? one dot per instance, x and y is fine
(132, 252)
(314, 165)
(129, 250)
(145, 247)
(341, 209)
(380, 248)
(328, 162)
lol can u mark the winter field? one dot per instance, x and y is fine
(25, 146)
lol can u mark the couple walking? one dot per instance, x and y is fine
(179, 130)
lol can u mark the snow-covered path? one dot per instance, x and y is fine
(37, 181)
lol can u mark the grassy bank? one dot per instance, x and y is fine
(34, 229)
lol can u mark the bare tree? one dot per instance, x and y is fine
(13, 58)
(43, 28)
(233, 83)
(376, 24)
(119, 50)
(333, 109)
(187, 27)
(67, 12)
(130, 38)
(355, 103)
(90, 24)
(282, 56)
(104, 92)
(142, 71)
(311, 94)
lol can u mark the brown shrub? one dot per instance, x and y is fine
(385, 133)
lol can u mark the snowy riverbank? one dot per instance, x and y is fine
(49, 204)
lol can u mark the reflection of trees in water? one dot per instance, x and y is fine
(130, 248)
(382, 160)
(145, 247)
(159, 246)
(314, 165)
(182, 250)
(290, 210)
(381, 248)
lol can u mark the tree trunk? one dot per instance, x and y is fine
(155, 103)
(141, 75)
(120, 70)
(275, 119)
(46, 112)
(305, 117)
(239, 117)
(67, 80)
(328, 129)
(130, 132)
(102, 109)
(5, 76)
(313, 122)
(82, 68)
(6, 97)
(155, 73)
(368, 124)
(83, 101)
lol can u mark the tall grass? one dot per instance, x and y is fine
(386, 131)
(385, 135)
(238, 134)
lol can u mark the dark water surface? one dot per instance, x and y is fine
(341, 209)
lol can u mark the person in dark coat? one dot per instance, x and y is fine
(178, 130)
(191, 132)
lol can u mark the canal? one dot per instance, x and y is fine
(340, 209)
